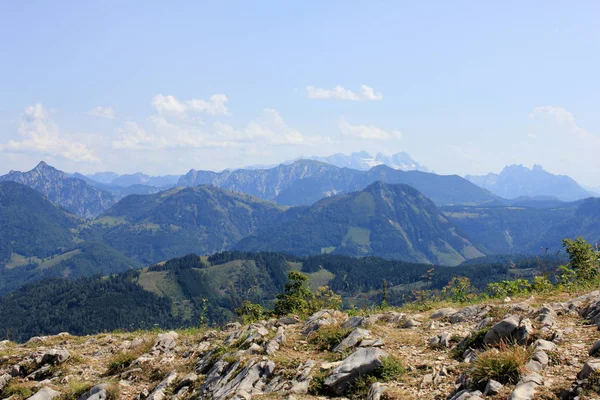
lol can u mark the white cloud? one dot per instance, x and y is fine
(271, 127)
(340, 93)
(557, 141)
(216, 105)
(370, 132)
(104, 112)
(560, 115)
(164, 133)
(369, 94)
(133, 137)
(337, 92)
(41, 136)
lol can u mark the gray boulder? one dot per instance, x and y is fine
(363, 361)
(354, 322)
(503, 330)
(321, 318)
(595, 348)
(98, 392)
(376, 391)
(165, 342)
(55, 357)
(492, 388)
(352, 340)
(442, 313)
(45, 393)
(589, 368)
(4, 379)
(159, 392)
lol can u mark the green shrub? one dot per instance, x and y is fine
(458, 290)
(473, 341)
(251, 312)
(505, 288)
(327, 336)
(297, 296)
(541, 284)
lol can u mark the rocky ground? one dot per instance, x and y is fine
(328, 355)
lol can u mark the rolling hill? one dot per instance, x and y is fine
(202, 219)
(39, 240)
(30, 224)
(390, 221)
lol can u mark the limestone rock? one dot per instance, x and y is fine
(410, 323)
(589, 368)
(45, 393)
(363, 361)
(503, 330)
(352, 340)
(376, 391)
(321, 318)
(55, 357)
(442, 313)
(354, 322)
(492, 388)
(98, 392)
(159, 392)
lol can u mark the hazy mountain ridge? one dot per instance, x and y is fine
(517, 181)
(305, 181)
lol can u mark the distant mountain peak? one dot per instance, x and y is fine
(518, 180)
(363, 161)
(74, 194)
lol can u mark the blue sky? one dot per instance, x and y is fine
(162, 87)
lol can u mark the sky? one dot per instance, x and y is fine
(465, 87)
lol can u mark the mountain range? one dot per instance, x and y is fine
(306, 181)
(519, 181)
(56, 224)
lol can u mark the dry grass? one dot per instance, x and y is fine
(504, 364)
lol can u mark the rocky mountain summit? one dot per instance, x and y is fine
(535, 348)
(73, 194)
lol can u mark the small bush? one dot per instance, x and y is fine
(76, 389)
(316, 386)
(505, 288)
(391, 368)
(541, 284)
(327, 336)
(251, 312)
(473, 341)
(458, 290)
(120, 362)
(591, 385)
(113, 392)
(504, 364)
